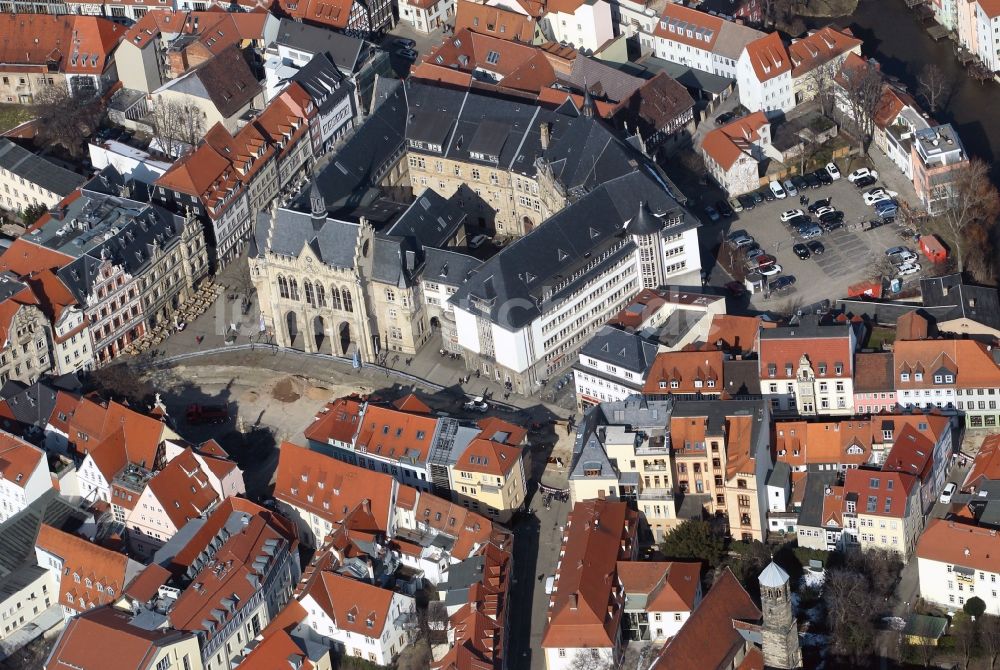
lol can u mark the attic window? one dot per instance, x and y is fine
(493, 57)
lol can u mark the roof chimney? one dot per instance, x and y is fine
(544, 129)
(573, 601)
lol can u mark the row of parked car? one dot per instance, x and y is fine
(756, 260)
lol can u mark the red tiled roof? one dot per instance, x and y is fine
(329, 13)
(411, 403)
(145, 586)
(390, 433)
(801, 443)
(873, 372)
(276, 650)
(691, 19)
(585, 609)
(726, 144)
(183, 489)
(888, 490)
(709, 640)
(362, 609)
(215, 30)
(692, 371)
(495, 21)
(668, 586)
(785, 353)
(986, 467)
(969, 361)
(488, 457)
(498, 430)
(24, 257)
(768, 57)
(960, 544)
(18, 459)
(820, 47)
(71, 44)
(91, 575)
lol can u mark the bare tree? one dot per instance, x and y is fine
(989, 638)
(851, 609)
(971, 206)
(65, 119)
(863, 86)
(176, 126)
(965, 634)
(935, 87)
(589, 659)
(820, 81)
(922, 653)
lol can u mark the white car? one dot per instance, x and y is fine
(833, 171)
(947, 493)
(908, 269)
(477, 404)
(862, 172)
(824, 210)
(770, 270)
(776, 189)
(791, 214)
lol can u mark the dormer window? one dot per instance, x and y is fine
(711, 383)
(663, 384)
(674, 384)
(938, 379)
(904, 376)
(948, 379)
(918, 376)
(822, 368)
(788, 370)
(772, 370)
(838, 369)
(697, 383)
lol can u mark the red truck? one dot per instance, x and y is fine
(201, 414)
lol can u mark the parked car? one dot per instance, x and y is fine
(905, 254)
(823, 176)
(790, 188)
(477, 404)
(742, 241)
(801, 250)
(769, 270)
(833, 170)
(810, 231)
(753, 252)
(947, 493)
(736, 204)
(408, 54)
(861, 173)
(725, 117)
(812, 180)
(819, 204)
(757, 197)
(791, 214)
(832, 225)
(826, 209)
(798, 222)
(830, 217)
(908, 269)
(865, 182)
(478, 241)
(711, 213)
(782, 284)
(724, 209)
(198, 415)
(746, 201)
(800, 182)
(888, 213)
(874, 195)
(761, 263)
(767, 194)
(816, 247)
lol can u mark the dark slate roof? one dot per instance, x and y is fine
(344, 51)
(742, 378)
(886, 313)
(624, 349)
(226, 79)
(531, 273)
(432, 220)
(781, 475)
(289, 231)
(447, 267)
(644, 222)
(18, 533)
(811, 513)
(396, 261)
(351, 179)
(808, 327)
(977, 303)
(31, 405)
(324, 83)
(35, 169)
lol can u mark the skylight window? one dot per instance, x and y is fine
(493, 57)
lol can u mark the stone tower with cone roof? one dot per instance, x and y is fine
(780, 631)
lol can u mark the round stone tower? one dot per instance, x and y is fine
(780, 632)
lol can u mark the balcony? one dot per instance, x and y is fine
(656, 467)
(654, 494)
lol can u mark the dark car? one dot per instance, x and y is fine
(830, 226)
(831, 217)
(823, 202)
(802, 251)
(864, 182)
(408, 54)
(798, 221)
(766, 194)
(757, 197)
(782, 283)
(724, 209)
(747, 201)
(812, 180)
(725, 117)
(816, 247)
(800, 183)
(823, 176)
(711, 213)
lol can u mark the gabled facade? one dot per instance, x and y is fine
(882, 510)
(764, 75)
(24, 475)
(733, 153)
(700, 40)
(957, 562)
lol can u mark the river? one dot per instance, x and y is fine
(893, 35)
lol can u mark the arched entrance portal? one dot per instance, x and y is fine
(319, 334)
(435, 323)
(344, 330)
(292, 327)
(528, 225)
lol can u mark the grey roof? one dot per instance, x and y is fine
(808, 327)
(533, 272)
(644, 222)
(343, 50)
(431, 219)
(886, 313)
(742, 378)
(781, 475)
(603, 80)
(977, 303)
(675, 328)
(36, 170)
(622, 348)
(773, 576)
(18, 533)
(226, 80)
(31, 405)
(324, 83)
(692, 78)
(447, 267)
(396, 261)
(811, 513)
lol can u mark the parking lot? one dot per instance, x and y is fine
(850, 251)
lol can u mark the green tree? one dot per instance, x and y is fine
(974, 607)
(694, 539)
(32, 213)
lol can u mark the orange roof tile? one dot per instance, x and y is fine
(23, 257)
(708, 26)
(709, 639)
(801, 443)
(411, 403)
(357, 607)
(276, 650)
(888, 491)
(960, 544)
(18, 459)
(668, 586)
(969, 361)
(986, 467)
(488, 457)
(390, 433)
(146, 585)
(498, 430)
(338, 420)
(329, 13)
(470, 529)
(736, 334)
(873, 372)
(70, 44)
(740, 458)
(820, 47)
(495, 21)
(183, 489)
(768, 57)
(91, 575)
(726, 144)
(330, 488)
(691, 371)
(585, 610)
(781, 355)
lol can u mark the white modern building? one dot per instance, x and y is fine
(764, 76)
(583, 24)
(24, 475)
(957, 561)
